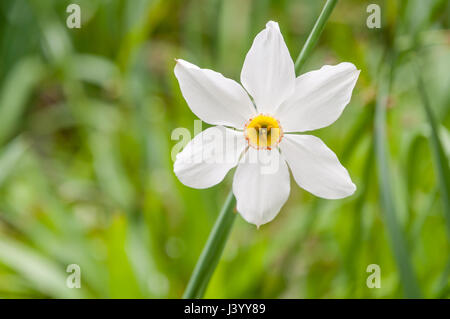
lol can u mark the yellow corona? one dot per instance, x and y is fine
(263, 132)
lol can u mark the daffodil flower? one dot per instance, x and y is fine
(261, 127)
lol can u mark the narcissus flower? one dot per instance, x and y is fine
(256, 135)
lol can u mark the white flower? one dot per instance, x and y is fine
(282, 104)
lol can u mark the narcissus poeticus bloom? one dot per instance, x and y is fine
(255, 134)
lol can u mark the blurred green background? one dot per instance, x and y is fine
(86, 176)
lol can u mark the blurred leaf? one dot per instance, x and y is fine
(10, 156)
(94, 69)
(14, 94)
(440, 159)
(43, 274)
(407, 277)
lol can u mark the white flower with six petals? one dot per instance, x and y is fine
(283, 104)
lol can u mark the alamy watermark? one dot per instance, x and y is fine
(374, 279)
(74, 279)
(374, 18)
(74, 18)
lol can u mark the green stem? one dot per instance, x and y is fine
(216, 242)
(315, 34)
(212, 251)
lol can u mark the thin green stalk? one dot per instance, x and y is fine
(399, 246)
(214, 22)
(315, 34)
(212, 251)
(440, 159)
(441, 167)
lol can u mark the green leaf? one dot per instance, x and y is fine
(15, 92)
(440, 159)
(397, 240)
(45, 275)
(10, 157)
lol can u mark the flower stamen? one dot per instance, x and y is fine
(263, 132)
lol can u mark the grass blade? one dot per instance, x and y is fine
(440, 159)
(15, 92)
(10, 156)
(397, 240)
(42, 273)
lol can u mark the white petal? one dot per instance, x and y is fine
(212, 97)
(206, 159)
(268, 73)
(315, 167)
(261, 185)
(319, 98)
